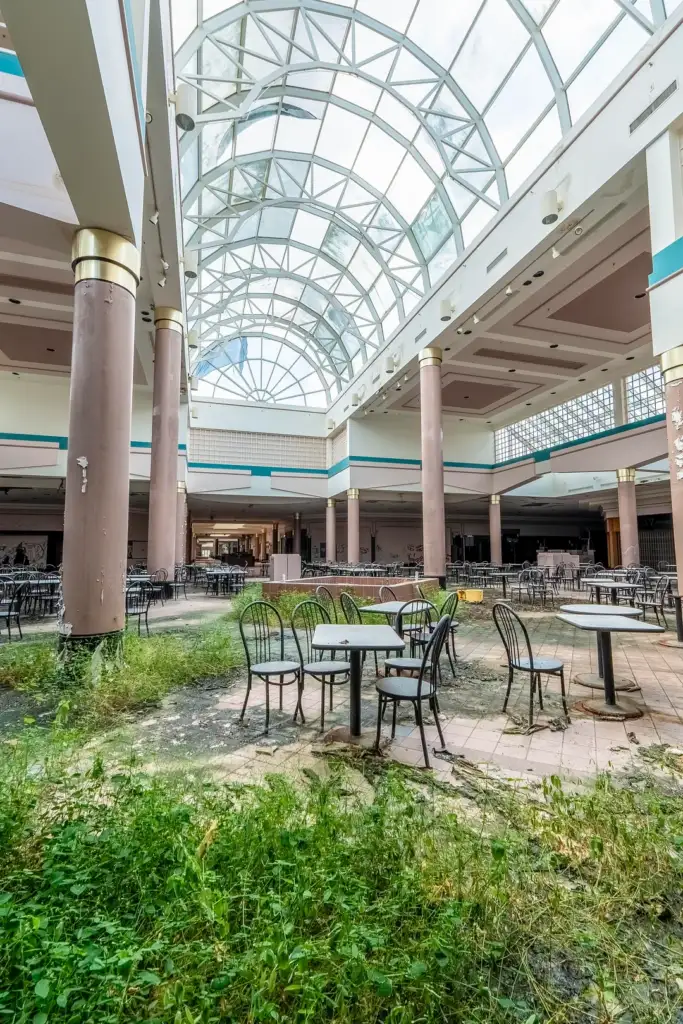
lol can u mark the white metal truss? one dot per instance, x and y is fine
(345, 153)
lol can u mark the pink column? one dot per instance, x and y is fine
(353, 525)
(163, 481)
(297, 533)
(628, 517)
(331, 531)
(672, 368)
(107, 272)
(181, 525)
(495, 530)
(433, 505)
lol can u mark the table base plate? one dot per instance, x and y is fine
(619, 712)
(595, 682)
(670, 642)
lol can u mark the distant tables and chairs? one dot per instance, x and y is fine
(612, 586)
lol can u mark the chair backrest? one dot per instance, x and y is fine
(305, 617)
(513, 633)
(350, 609)
(327, 600)
(661, 589)
(417, 613)
(261, 626)
(432, 654)
(450, 605)
(181, 574)
(138, 598)
(160, 576)
(387, 594)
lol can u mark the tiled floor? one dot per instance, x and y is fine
(473, 724)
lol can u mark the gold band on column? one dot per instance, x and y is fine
(430, 357)
(167, 318)
(353, 494)
(495, 499)
(626, 476)
(331, 502)
(297, 516)
(98, 255)
(672, 365)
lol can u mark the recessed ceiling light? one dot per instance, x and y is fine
(527, 283)
(553, 392)
(15, 302)
(466, 397)
(582, 380)
(467, 332)
(604, 369)
(14, 373)
(528, 403)
(50, 350)
(512, 371)
(461, 420)
(641, 295)
(447, 348)
(488, 421)
(555, 346)
(539, 273)
(629, 358)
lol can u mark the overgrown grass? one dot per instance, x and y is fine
(93, 692)
(125, 898)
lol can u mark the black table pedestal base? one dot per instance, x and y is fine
(619, 712)
(595, 682)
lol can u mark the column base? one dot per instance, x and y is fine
(595, 682)
(111, 645)
(623, 710)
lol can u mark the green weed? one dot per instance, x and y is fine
(125, 898)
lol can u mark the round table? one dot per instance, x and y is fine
(604, 626)
(614, 585)
(590, 679)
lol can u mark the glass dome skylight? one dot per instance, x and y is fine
(345, 153)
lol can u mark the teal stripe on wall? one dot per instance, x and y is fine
(63, 441)
(667, 262)
(257, 470)
(9, 64)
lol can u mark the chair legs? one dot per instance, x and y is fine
(381, 708)
(564, 695)
(507, 694)
(420, 725)
(433, 706)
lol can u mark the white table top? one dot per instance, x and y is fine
(612, 584)
(358, 638)
(610, 624)
(599, 609)
(394, 607)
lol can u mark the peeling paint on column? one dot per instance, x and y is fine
(83, 463)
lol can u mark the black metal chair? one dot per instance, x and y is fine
(265, 651)
(324, 596)
(158, 581)
(654, 600)
(305, 617)
(387, 594)
(179, 581)
(138, 600)
(395, 689)
(12, 597)
(520, 658)
(352, 614)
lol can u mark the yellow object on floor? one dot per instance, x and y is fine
(471, 596)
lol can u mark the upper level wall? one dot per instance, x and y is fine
(397, 436)
(264, 419)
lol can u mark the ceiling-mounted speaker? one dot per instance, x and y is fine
(445, 310)
(551, 207)
(191, 261)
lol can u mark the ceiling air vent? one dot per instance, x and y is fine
(494, 263)
(655, 105)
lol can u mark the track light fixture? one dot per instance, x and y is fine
(551, 207)
(191, 261)
(446, 310)
(154, 219)
(185, 106)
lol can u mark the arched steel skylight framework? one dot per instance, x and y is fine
(345, 153)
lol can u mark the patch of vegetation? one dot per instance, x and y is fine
(125, 898)
(92, 692)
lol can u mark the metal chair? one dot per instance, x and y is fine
(520, 658)
(12, 596)
(138, 600)
(305, 617)
(179, 581)
(387, 594)
(324, 596)
(394, 689)
(353, 617)
(158, 581)
(654, 600)
(266, 655)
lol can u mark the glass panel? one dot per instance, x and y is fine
(441, 35)
(532, 153)
(431, 227)
(645, 394)
(526, 95)
(574, 27)
(581, 417)
(443, 261)
(615, 53)
(496, 39)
